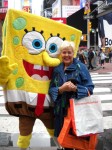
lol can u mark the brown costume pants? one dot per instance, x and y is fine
(26, 123)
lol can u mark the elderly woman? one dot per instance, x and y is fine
(70, 79)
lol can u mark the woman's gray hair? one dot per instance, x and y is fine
(66, 44)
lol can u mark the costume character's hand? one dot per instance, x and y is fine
(6, 69)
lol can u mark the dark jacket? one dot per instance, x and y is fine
(78, 73)
(90, 55)
(110, 54)
(82, 58)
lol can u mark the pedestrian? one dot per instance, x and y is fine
(99, 58)
(90, 58)
(103, 56)
(81, 56)
(94, 61)
(110, 56)
(70, 79)
(86, 56)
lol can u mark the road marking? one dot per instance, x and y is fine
(105, 94)
(101, 75)
(106, 106)
(102, 81)
(102, 78)
(101, 90)
(107, 122)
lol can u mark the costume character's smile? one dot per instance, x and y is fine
(38, 72)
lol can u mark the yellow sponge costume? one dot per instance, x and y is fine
(30, 51)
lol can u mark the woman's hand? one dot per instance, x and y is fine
(67, 86)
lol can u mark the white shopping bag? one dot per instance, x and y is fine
(87, 116)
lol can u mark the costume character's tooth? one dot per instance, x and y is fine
(36, 77)
(37, 67)
(45, 78)
(45, 68)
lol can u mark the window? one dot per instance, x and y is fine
(0, 3)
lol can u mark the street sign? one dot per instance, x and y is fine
(88, 17)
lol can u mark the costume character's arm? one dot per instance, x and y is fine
(6, 69)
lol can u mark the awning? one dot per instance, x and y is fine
(2, 16)
(3, 11)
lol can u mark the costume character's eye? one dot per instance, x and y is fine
(53, 45)
(34, 42)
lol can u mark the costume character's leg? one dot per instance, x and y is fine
(48, 119)
(25, 127)
(51, 132)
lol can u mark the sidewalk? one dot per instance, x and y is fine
(100, 70)
(14, 148)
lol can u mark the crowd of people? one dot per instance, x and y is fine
(92, 58)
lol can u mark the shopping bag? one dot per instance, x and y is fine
(69, 140)
(87, 116)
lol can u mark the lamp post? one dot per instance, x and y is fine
(94, 32)
(87, 12)
(88, 34)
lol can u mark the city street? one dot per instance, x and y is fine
(102, 78)
(32, 33)
(107, 69)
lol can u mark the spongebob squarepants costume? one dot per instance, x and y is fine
(29, 53)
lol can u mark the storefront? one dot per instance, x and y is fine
(3, 10)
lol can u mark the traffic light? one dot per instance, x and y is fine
(89, 26)
(84, 37)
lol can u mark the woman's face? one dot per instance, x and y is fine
(67, 55)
